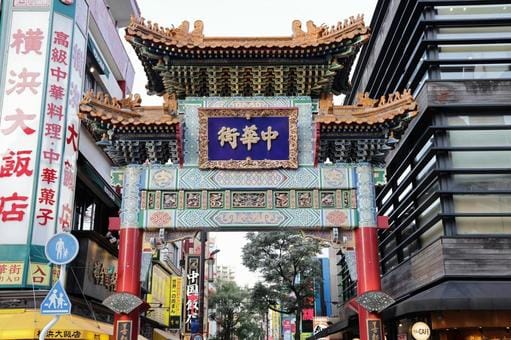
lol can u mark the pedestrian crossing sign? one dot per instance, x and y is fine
(56, 302)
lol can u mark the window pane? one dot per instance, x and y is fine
(434, 187)
(481, 51)
(404, 174)
(481, 182)
(482, 203)
(405, 192)
(475, 71)
(478, 120)
(463, 12)
(432, 234)
(481, 159)
(483, 225)
(424, 149)
(474, 32)
(480, 138)
(426, 168)
(429, 213)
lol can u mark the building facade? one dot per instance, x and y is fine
(445, 258)
(56, 51)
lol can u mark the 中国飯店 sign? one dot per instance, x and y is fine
(248, 138)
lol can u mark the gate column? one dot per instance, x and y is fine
(130, 252)
(366, 249)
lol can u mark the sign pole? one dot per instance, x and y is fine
(49, 325)
(60, 249)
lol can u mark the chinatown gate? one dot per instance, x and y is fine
(248, 139)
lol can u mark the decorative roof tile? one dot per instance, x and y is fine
(182, 37)
(369, 111)
(127, 111)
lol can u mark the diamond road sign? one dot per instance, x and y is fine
(61, 248)
(56, 302)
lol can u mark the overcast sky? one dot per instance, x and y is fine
(242, 18)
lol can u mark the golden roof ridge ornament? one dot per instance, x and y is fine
(181, 33)
(368, 110)
(325, 32)
(127, 110)
(182, 36)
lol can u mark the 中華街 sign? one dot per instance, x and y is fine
(254, 138)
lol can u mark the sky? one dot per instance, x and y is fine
(237, 18)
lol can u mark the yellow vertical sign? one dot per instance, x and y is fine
(175, 301)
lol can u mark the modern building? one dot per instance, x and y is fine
(225, 273)
(86, 53)
(445, 258)
(322, 299)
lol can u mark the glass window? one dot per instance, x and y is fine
(475, 71)
(405, 192)
(479, 120)
(474, 32)
(468, 12)
(480, 51)
(483, 225)
(388, 211)
(432, 234)
(424, 149)
(406, 211)
(426, 194)
(426, 168)
(386, 197)
(429, 213)
(480, 138)
(477, 182)
(411, 247)
(482, 203)
(404, 174)
(481, 159)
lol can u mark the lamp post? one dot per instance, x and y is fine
(211, 263)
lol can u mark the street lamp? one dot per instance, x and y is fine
(211, 263)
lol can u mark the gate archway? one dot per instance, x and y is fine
(248, 138)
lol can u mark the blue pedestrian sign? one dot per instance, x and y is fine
(56, 302)
(61, 248)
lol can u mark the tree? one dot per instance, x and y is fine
(233, 312)
(287, 262)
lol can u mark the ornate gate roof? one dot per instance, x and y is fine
(186, 63)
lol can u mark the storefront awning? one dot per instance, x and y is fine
(26, 324)
(456, 295)
(337, 327)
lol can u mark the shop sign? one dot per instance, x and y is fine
(248, 138)
(71, 128)
(40, 274)
(20, 107)
(124, 330)
(30, 3)
(100, 278)
(62, 334)
(11, 273)
(192, 292)
(160, 296)
(175, 302)
(53, 132)
(374, 329)
(421, 331)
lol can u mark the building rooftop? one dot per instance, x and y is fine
(184, 62)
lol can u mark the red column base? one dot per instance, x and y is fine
(368, 279)
(126, 326)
